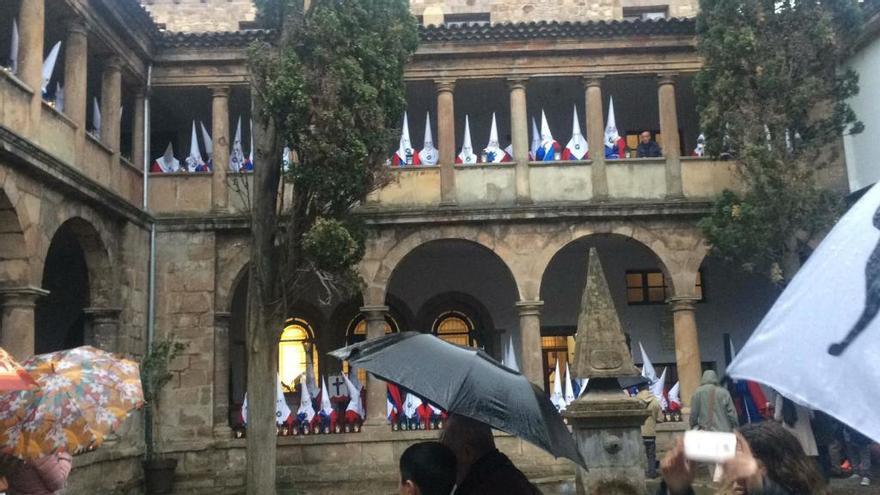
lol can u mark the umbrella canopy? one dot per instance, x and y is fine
(468, 382)
(12, 375)
(84, 394)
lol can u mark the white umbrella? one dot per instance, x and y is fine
(819, 343)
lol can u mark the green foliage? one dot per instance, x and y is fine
(330, 246)
(773, 94)
(154, 366)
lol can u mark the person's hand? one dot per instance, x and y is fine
(678, 472)
(743, 469)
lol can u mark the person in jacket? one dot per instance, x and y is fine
(649, 428)
(482, 469)
(769, 461)
(647, 148)
(427, 468)
(43, 476)
(712, 407)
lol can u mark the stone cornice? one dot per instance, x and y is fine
(33, 160)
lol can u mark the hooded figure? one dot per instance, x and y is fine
(405, 155)
(248, 165)
(648, 370)
(557, 397)
(13, 48)
(209, 146)
(282, 410)
(166, 163)
(615, 146)
(306, 412)
(546, 152)
(536, 141)
(657, 389)
(96, 118)
(700, 150)
(674, 398)
(325, 420)
(711, 406)
(394, 405)
(493, 153)
(195, 162)
(49, 68)
(577, 148)
(510, 357)
(411, 411)
(429, 154)
(569, 387)
(354, 412)
(236, 156)
(466, 156)
(59, 97)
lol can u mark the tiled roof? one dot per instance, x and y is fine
(549, 30)
(224, 39)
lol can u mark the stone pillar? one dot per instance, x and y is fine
(530, 340)
(221, 375)
(596, 136)
(446, 140)
(669, 130)
(519, 133)
(76, 58)
(220, 136)
(137, 134)
(31, 24)
(687, 346)
(376, 393)
(17, 319)
(111, 99)
(102, 328)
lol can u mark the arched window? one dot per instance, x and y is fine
(296, 338)
(455, 327)
(357, 332)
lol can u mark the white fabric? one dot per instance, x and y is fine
(236, 156)
(355, 404)
(59, 97)
(583, 383)
(657, 390)
(194, 160)
(96, 118)
(167, 163)
(206, 138)
(611, 135)
(700, 150)
(546, 136)
(467, 155)
(675, 394)
(648, 370)
(569, 389)
(13, 47)
(802, 429)
(510, 358)
(49, 66)
(405, 145)
(577, 146)
(251, 152)
(494, 153)
(326, 406)
(429, 154)
(305, 401)
(789, 350)
(536, 140)
(411, 405)
(557, 397)
(282, 410)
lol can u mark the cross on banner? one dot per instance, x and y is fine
(336, 383)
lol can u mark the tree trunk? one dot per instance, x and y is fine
(265, 316)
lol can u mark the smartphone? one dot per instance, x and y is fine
(709, 446)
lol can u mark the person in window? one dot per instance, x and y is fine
(648, 148)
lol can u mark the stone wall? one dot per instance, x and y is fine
(201, 15)
(550, 10)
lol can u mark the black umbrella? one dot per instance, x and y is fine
(468, 382)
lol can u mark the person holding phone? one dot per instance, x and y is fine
(768, 461)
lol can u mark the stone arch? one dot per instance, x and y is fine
(14, 266)
(233, 261)
(378, 273)
(464, 303)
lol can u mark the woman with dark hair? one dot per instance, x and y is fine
(769, 461)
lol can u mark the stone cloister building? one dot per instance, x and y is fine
(483, 254)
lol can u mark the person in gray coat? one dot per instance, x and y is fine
(711, 406)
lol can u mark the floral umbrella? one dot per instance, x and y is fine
(12, 375)
(84, 394)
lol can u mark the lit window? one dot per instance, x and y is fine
(455, 328)
(645, 287)
(357, 332)
(553, 348)
(295, 338)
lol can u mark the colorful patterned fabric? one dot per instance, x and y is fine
(84, 394)
(12, 375)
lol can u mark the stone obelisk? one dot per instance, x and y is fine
(606, 422)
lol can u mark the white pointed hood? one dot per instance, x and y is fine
(536, 140)
(647, 367)
(411, 405)
(700, 150)
(13, 48)
(355, 404)
(326, 405)
(167, 163)
(569, 388)
(494, 153)
(96, 117)
(657, 389)
(557, 397)
(194, 161)
(429, 153)
(674, 394)
(467, 155)
(611, 135)
(510, 359)
(251, 152)
(577, 147)
(305, 402)
(282, 410)
(49, 66)
(236, 156)
(405, 146)
(206, 138)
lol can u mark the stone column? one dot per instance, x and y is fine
(376, 393)
(221, 375)
(669, 130)
(17, 319)
(446, 140)
(530, 340)
(596, 136)
(137, 134)
(31, 24)
(102, 328)
(220, 136)
(687, 346)
(76, 58)
(111, 99)
(519, 133)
